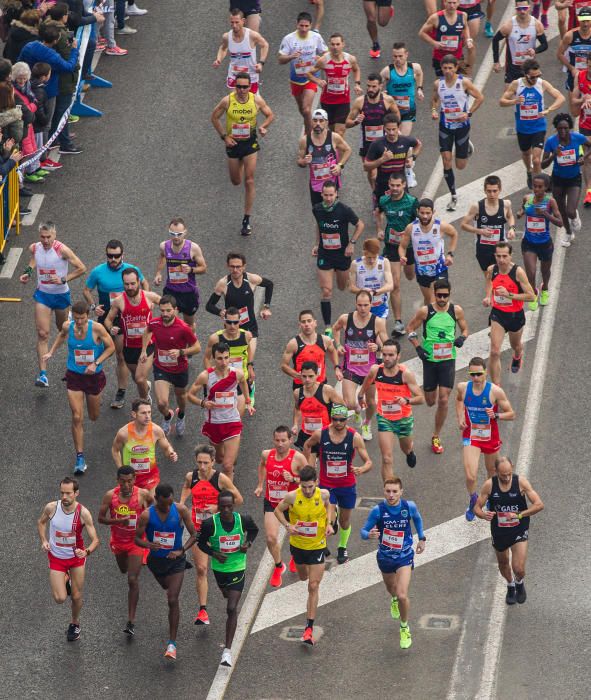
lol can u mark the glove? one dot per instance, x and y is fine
(459, 341)
(422, 353)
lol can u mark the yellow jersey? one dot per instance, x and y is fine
(241, 118)
(309, 516)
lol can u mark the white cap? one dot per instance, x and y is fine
(320, 114)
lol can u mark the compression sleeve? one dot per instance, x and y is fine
(543, 44)
(370, 523)
(204, 534)
(251, 528)
(416, 518)
(498, 37)
(212, 306)
(267, 285)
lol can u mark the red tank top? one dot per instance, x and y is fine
(584, 84)
(315, 352)
(204, 493)
(314, 410)
(450, 35)
(124, 534)
(276, 485)
(509, 281)
(134, 320)
(336, 90)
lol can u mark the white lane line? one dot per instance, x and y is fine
(362, 572)
(34, 204)
(9, 266)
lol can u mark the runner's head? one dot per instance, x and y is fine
(309, 373)
(232, 321)
(163, 495)
(131, 282)
(225, 504)
(363, 303)
(282, 439)
(126, 480)
(236, 263)
(477, 371)
(242, 84)
(336, 44)
(371, 250)
(531, 70)
(114, 252)
(442, 292)
(167, 306)
(374, 85)
(304, 23)
(522, 7)
(319, 121)
(504, 469)
(503, 251)
(221, 355)
(80, 312)
(451, 4)
(204, 459)
(492, 187)
(393, 490)
(399, 54)
(47, 234)
(69, 490)
(390, 353)
(177, 229)
(391, 127)
(563, 123)
(141, 411)
(584, 19)
(329, 193)
(338, 417)
(237, 19)
(397, 185)
(308, 322)
(449, 65)
(308, 481)
(425, 211)
(541, 183)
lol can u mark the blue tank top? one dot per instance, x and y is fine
(537, 227)
(527, 120)
(402, 88)
(395, 530)
(476, 405)
(82, 353)
(168, 532)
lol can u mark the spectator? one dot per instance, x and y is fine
(22, 31)
(108, 8)
(11, 10)
(11, 116)
(9, 155)
(23, 95)
(78, 17)
(40, 74)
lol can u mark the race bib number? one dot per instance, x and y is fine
(164, 539)
(336, 86)
(141, 465)
(135, 329)
(393, 236)
(320, 171)
(502, 301)
(373, 133)
(244, 315)
(480, 431)
(528, 112)
(331, 241)
(536, 224)
(391, 410)
(336, 467)
(359, 357)
(224, 399)
(200, 514)
(306, 529)
(453, 114)
(83, 358)
(229, 543)
(490, 236)
(567, 156)
(45, 275)
(426, 256)
(65, 539)
(403, 102)
(311, 424)
(442, 351)
(581, 62)
(507, 519)
(277, 494)
(394, 539)
(165, 358)
(450, 43)
(176, 275)
(303, 66)
(114, 295)
(520, 57)
(236, 68)
(240, 131)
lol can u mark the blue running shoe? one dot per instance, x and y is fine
(80, 467)
(470, 509)
(42, 380)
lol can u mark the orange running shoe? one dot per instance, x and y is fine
(587, 200)
(436, 445)
(276, 579)
(202, 617)
(292, 566)
(307, 637)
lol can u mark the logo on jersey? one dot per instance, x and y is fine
(140, 449)
(484, 219)
(404, 513)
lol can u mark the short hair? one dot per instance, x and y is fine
(126, 470)
(239, 256)
(561, 117)
(504, 244)
(393, 480)
(130, 271)
(441, 284)
(136, 403)
(363, 292)
(493, 181)
(242, 76)
(397, 45)
(308, 473)
(336, 35)
(81, 308)
(305, 312)
(30, 18)
(40, 69)
(177, 220)
(282, 429)
(304, 16)
(374, 76)
(329, 183)
(449, 59)
(503, 458)
(529, 64)
(310, 365)
(167, 299)
(163, 491)
(391, 119)
(204, 449)
(397, 176)
(477, 362)
(372, 246)
(48, 33)
(114, 243)
(232, 311)
(425, 203)
(226, 493)
(235, 12)
(58, 10)
(390, 342)
(47, 226)
(71, 480)
(220, 347)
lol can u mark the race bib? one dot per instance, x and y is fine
(229, 543)
(176, 275)
(490, 236)
(528, 111)
(114, 295)
(303, 66)
(236, 363)
(453, 114)
(394, 539)
(426, 256)
(336, 467)
(391, 410)
(581, 62)
(83, 358)
(239, 69)
(507, 519)
(320, 171)
(480, 431)
(135, 329)
(536, 224)
(403, 102)
(277, 494)
(502, 301)
(200, 514)
(244, 315)
(336, 86)
(65, 539)
(373, 133)
(141, 465)
(224, 399)
(241, 131)
(306, 529)
(331, 241)
(164, 539)
(165, 358)
(442, 351)
(567, 156)
(359, 357)
(45, 275)
(311, 424)
(393, 236)
(450, 43)
(520, 57)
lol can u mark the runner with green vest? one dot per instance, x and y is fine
(226, 537)
(438, 351)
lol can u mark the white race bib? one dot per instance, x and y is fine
(507, 519)
(311, 424)
(165, 358)
(307, 529)
(442, 351)
(244, 317)
(394, 539)
(480, 431)
(65, 539)
(140, 465)
(391, 410)
(336, 467)
(567, 156)
(403, 102)
(165, 539)
(83, 358)
(320, 171)
(331, 241)
(490, 236)
(373, 133)
(224, 399)
(136, 329)
(229, 543)
(303, 66)
(528, 111)
(176, 275)
(241, 131)
(359, 357)
(336, 86)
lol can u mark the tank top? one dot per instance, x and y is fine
(492, 227)
(454, 101)
(527, 115)
(228, 542)
(314, 409)
(428, 247)
(390, 388)
(177, 280)
(450, 35)
(584, 84)
(358, 358)
(511, 284)
(372, 126)
(537, 228)
(134, 320)
(241, 118)
(309, 517)
(439, 332)
(241, 298)
(578, 51)
(310, 352)
(510, 501)
(243, 58)
(82, 353)
(480, 428)
(519, 41)
(65, 532)
(139, 452)
(224, 394)
(124, 534)
(373, 278)
(402, 88)
(336, 91)
(204, 493)
(49, 263)
(277, 487)
(238, 351)
(336, 460)
(167, 532)
(394, 525)
(323, 158)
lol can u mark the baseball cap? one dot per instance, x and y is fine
(584, 13)
(339, 411)
(320, 114)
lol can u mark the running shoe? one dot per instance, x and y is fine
(149, 396)
(119, 400)
(411, 460)
(73, 632)
(226, 658)
(488, 30)
(42, 380)
(34, 178)
(115, 51)
(357, 420)
(511, 597)
(520, 594)
(366, 433)
(587, 200)
(544, 19)
(342, 555)
(80, 467)
(43, 173)
(166, 424)
(575, 223)
(276, 580)
(135, 11)
(202, 617)
(129, 629)
(567, 239)
(335, 522)
(307, 637)
(516, 364)
(70, 149)
(394, 609)
(74, 118)
(328, 331)
(405, 638)
(452, 205)
(179, 425)
(68, 585)
(125, 31)
(533, 305)
(170, 652)
(470, 509)
(471, 148)
(375, 51)
(292, 566)
(101, 42)
(398, 328)
(252, 393)
(49, 164)
(436, 445)
(246, 230)
(544, 297)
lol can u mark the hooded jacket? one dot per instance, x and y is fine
(37, 51)
(18, 36)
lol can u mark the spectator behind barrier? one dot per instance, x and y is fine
(22, 31)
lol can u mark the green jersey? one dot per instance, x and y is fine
(238, 351)
(439, 333)
(399, 213)
(228, 543)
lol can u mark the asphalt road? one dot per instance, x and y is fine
(154, 155)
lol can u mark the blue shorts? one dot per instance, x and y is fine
(342, 496)
(53, 301)
(390, 565)
(381, 311)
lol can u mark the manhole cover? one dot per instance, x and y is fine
(293, 634)
(443, 623)
(368, 503)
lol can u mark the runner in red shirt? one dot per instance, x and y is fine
(581, 102)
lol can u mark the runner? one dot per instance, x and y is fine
(308, 526)
(251, 10)
(50, 258)
(241, 43)
(337, 445)
(334, 247)
(364, 335)
(132, 311)
(107, 279)
(223, 425)
(572, 7)
(66, 550)
(300, 49)
(390, 523)
(540, 210)
(325, 153)
(399, 209)
(438, 351)
(174, 342)
(135, 446)
(491, 220)
(397, 391)
(183, 260)
(488, 28)
(521, 33)
(239, 135)
(505, 495)
(480, 404)
(447, 32)
(426, 236)
(278, 472)
(89, 345)
(120, 508)
(226, 537)
(377, 12)
(527, 96)
(581, 107)
(450, 105)
(403, 81)
(573, 50)
(203, 485)
(335, 98)
(309, 346)
(372, 273)
(160, 530)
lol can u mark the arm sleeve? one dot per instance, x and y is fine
(267, 285)
(370, 523)
(543, 44)
(497, 38)
(416, 518)
(204, 534)
(251, 528)
(212, 304)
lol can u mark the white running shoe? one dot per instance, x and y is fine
(135, 11)
(411, 179)
(567, 239)
(366, 433)
(452, 205)
(179, 425)
(166, 424)
(575, 223)
(226, 658)
(149, 396)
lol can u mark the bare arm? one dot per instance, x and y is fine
(359, 445)
(286, 360)
(74, 260)
(533, 497)
(468, 222)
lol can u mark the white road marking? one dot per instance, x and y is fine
(9, 266)
(362, 572)
(34, 204)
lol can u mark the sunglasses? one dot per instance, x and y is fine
(232, 323)
(476, 374)
(114, 256)
(176, 233)
(442, 296)
(242, 87)
(339, 420)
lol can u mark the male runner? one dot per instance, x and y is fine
(521, 33)
(174, 342)
(397, 390)
(308, 526)
(160, 530)
(239, 135)
(183, 260)
(309, 346)
(574, 49)
(506, 494)
(403, 81)
(66, 550)
(447, 32)
(89, 345)
(226, 537)
(277, 475)
(50, 258)
(581, 107)
(438, 351)
(377, 12)
(120, 508)
(480, 404)
(372, 272)
(390, 523)
(337, 445)
(203, 485)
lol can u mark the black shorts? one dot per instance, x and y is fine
(333, 261)
(459, 137)
(187, 302)
(511, 321)
(230, 580)
(503, 543)
(390, 252)
(485, 257)
(427, 281)
(177, 379)
(337, 113)
(544, 251)
(438, 374)
(162, 567)
(527, 141)
(356, 378)
(307, 557)
(380, 189)
(474, 12)
(410, 116)
(301, 439)
(132, 355)
(566, 182)
(268, 507)
(249, 7)
(243, 148)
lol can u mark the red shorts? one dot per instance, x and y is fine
(487, 447)
(298, 89)
(149, 480)
(57, 564)
(129, 548)
(219, 432)
(91, 384)
(254, 87)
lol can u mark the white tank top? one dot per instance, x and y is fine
(428, 248)
(225, 398)
(373, 278)
(520, 40)
(243, 58)
(454, 101)
(50, 262)
(64, 532)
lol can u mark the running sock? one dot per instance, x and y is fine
(375, 46)
(171, 641)
(203, 607)
(79, 454)
(519, 581)
(169, 416)
(180, 415)
(310, 624)
(246, 220)
(325, 308)
(404, 624)
(450, 180)
(43, 372)
(278, 565)
(344, 535)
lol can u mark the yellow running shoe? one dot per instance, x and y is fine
(394, 610)
(405, 638)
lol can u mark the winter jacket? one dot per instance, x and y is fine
(42, 113)
(18, 36)
(78, 16)
(68, 79)
(11, 123)
(37, 51)
(29, 106)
